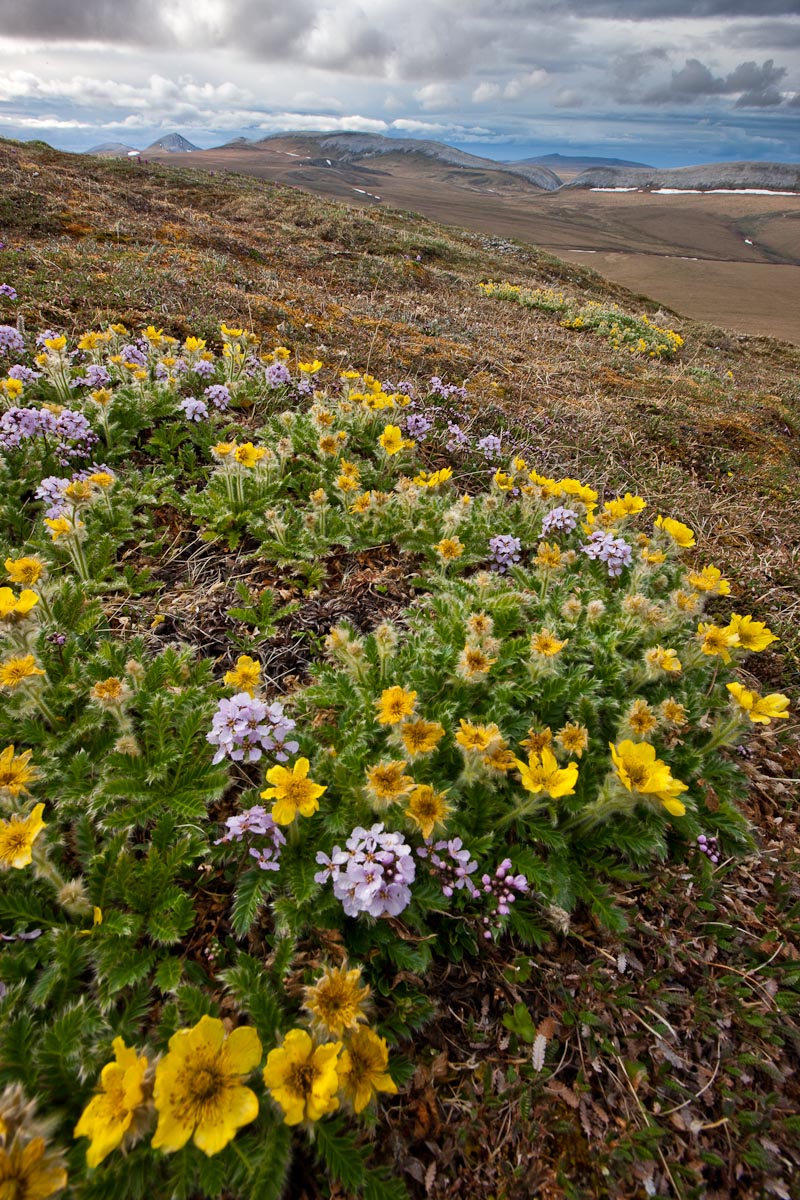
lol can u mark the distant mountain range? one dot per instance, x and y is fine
(342, 151)
(579, 162)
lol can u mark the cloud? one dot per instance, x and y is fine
(88, 20)
(434, 96)
(695, 81)
(659, 10)
(485, 92)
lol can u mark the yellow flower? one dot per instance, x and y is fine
(193, 345)
(573, 738)
(548, 556)
(717, 641)
(363, 1069)
(395, 704)
(752, 635)
(427, 808)
(760, 709)
(226, 332)
(16, 840)
(640, 771)
(310, 368)
(109, 1114)
(709, 580)
(247, 455)
(546, 644)
(12, 387)
(392, 439)
(624, 506)
(477, 738)
(101, 479)
(661, 659)
(293, 792)
(361, 504)
(474, 663)
(15, 671)
(434, 479)
(245, 676)
(223, 449)
(15, 772)
(29, 1172)
(16, 606)
(640, 718)
(503, 481)
(386, 782)
(480, 625)
(673, 712)
(449, 549)
(335, 1001)
(198, 1089)
(111, 692)
(542, 773)
(153, 335)
(60, 527)
(332, 443)
(55, 343)
(537, 739)
(420, 736)
(27, 570)
(681, 534)
(302, 1077)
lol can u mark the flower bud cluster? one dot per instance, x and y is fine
(372, 874)
(501, 890)
(492, 447)
(451, 865)
(243, 728)
(709, 847)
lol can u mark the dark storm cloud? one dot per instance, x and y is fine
(660, 10)
(695, 81)
(136, 22)
(765, 35)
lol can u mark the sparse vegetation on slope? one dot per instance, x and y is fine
(417, 582)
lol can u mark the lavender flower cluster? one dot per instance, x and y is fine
(257, 821)
(372, 874)
(24, 374)
(492, 447)
(559, 520)
(458, 437)
(709, 847)
(277, 375)
(451, 865)
(193, 410)
(445, 390)
(501, 889)
(11, 340)
(613, 551)
(505, 550)
(243, 727)
(73, 433)
(418, 426)
(52, 489)
(8, 291)
(96, 376)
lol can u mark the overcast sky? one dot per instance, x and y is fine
(667, 82)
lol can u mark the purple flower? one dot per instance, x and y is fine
(451, 865)
(277, 375)
(203, 368)
(132, 354)
(562, 520)
(95, 376)
(372, 875)
(51, 490)
(613, 551)
(445, 390)
(243, 728)
(457, 437)
(24, 374)
(20, 424)
(7, 290)
(709, 847)
(218, 395)
(194, 410)
(75, 434)
(492, 447)
(505, 550)
(417, 426)
(11, 340)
